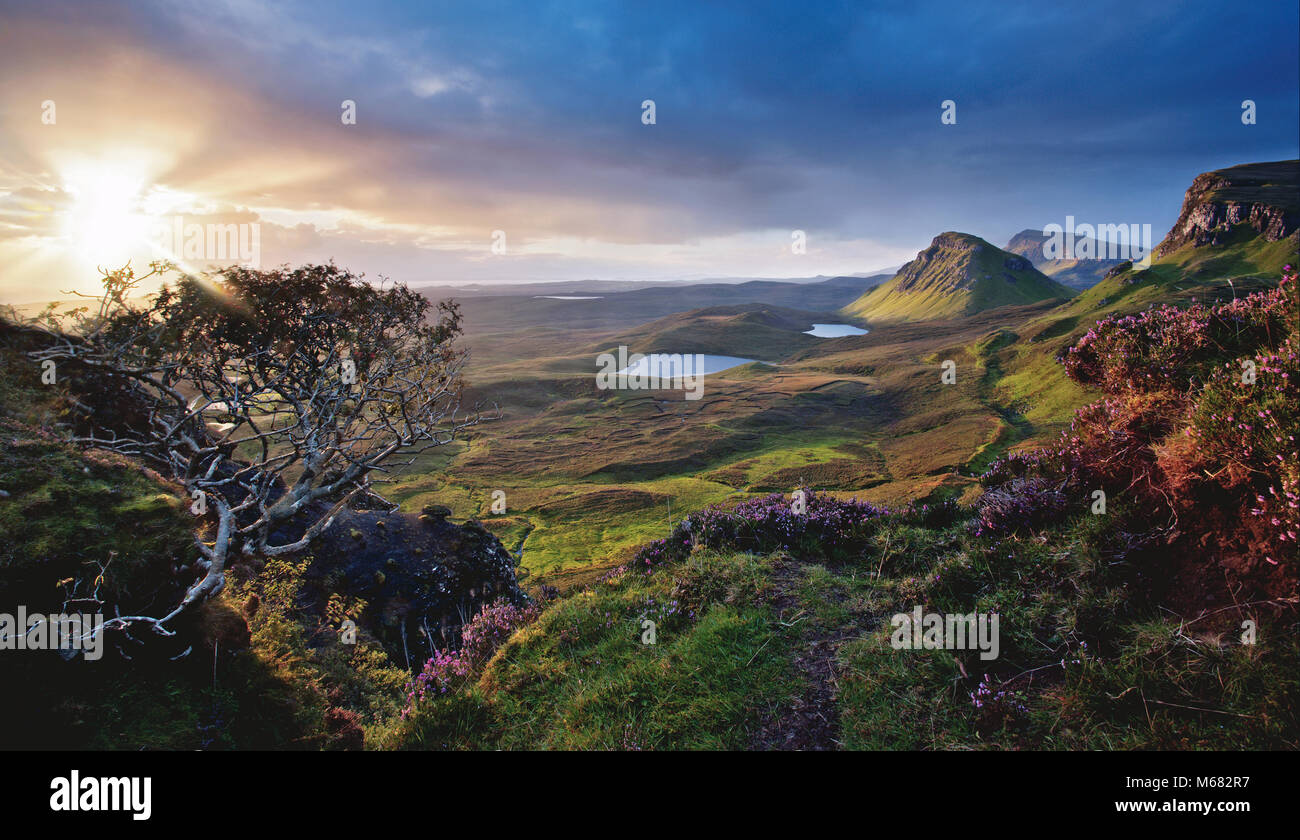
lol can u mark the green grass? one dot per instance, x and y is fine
(1091, 664)
(581, 677)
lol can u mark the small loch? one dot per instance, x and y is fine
(834, 330)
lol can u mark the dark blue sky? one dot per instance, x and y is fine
(771, 117)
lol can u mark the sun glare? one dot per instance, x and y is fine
(104, 224)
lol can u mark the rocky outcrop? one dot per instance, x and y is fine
(947, 265)
(1263, 196)
(1127, 265)
(420, 576)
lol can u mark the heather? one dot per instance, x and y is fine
(806, 522)
(1194, 434)
(1115, 630)
(479, 639)
(1022, 505)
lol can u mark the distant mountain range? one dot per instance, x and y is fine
(492, 312)
(603, 287)
(959, 274)
(1245, 211)
(1077, 274)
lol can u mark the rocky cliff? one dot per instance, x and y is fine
(1264, 196)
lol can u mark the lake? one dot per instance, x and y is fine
(667, 365)
(569, 297)
(834, 330)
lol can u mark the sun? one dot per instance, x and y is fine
(104, 225)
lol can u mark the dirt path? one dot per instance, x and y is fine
(810, 721)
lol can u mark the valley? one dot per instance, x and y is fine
(575, 513)
(729, 377)
(589, 475)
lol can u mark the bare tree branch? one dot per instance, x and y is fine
(270, 396)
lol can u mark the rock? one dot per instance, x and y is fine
(1127, 265)
(419, 573)
(434, 513)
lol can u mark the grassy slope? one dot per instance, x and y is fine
(1033, 379)
(581, 678)
(1091, 665)
(956, 283)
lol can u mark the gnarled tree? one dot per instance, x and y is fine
(273, 396)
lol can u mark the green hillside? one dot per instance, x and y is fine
(1206, 257)
(959, 274)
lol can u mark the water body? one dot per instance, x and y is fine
(834, 330)
(673, 365)
(569, 297)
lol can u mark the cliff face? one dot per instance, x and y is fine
(1265, 196)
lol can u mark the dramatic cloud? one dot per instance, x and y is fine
(527, 118)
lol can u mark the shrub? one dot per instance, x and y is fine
(479, 641)
(1247, 432)
(1206, 455)
(1019, 506)
(829, 527)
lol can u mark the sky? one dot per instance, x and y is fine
(523, 126)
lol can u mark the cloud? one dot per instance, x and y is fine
(527, 118)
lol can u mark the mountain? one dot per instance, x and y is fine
(1077, 274)
(959, 274)
(1236, 230)
(1263, 196)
